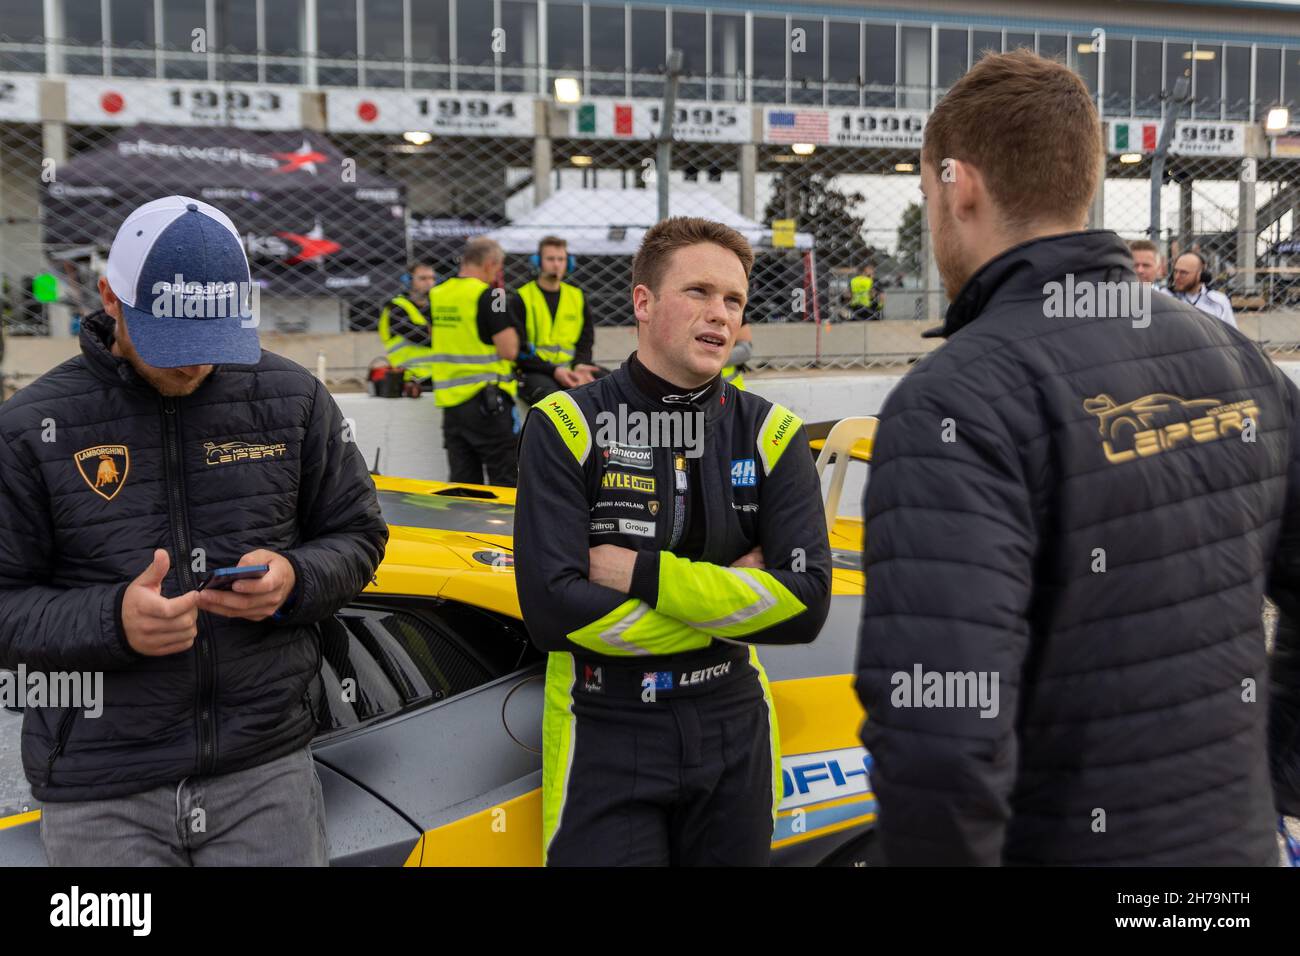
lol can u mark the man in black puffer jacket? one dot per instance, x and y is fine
(1075, 510)
(127, 472)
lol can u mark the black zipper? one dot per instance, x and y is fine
(65, 731)
(204, 718)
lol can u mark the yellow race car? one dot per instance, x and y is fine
(430, 703)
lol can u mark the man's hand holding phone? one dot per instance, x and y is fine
(253, 599)
(152, 624)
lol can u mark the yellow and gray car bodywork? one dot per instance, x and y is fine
(454, 779)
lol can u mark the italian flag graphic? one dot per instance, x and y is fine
(1135, 137)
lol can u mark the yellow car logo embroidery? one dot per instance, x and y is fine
(1155, 423)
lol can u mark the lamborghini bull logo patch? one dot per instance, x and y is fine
(1155, 423)
(104, 468)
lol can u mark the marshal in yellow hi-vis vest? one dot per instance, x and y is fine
(414, 358)
(732, 374)
(462, 364)
(555, 337)
(863, 289)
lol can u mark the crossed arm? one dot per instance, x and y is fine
(575, 597)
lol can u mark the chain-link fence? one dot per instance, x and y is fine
(331, 217)
(336, 192)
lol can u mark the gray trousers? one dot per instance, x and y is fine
(270, 815)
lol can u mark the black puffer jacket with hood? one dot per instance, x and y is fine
(98, 469)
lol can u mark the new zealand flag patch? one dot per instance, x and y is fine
(659, 680)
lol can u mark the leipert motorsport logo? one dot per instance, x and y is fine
(1155, 423)
(104, 468)
(232, 451)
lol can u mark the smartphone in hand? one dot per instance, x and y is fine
(222, 578)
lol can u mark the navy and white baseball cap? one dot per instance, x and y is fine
(179, 268)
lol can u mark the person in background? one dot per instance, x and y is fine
(405, 328)
(1190, 285)
(1146, 262)
(865, 297)
(475, 340)
(741, 353)
(559, 331)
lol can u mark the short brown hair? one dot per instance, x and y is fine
(552, 241)
(1143, 245)
(1028, 124)
(481, 249)
(667, 236)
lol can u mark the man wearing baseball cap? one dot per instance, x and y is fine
(170, 447)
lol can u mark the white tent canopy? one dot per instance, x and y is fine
(611, 222)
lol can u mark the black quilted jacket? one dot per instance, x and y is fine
(97, 470)
(1085, 515)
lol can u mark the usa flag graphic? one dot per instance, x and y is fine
(798, 126)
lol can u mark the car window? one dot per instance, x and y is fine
(379, 659)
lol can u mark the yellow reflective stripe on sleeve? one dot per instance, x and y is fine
(724, 602)
(751, 610)
(558, 733)
(569, 422)
(775, 433)
(774, 734)
(605, 636)
(635, 629)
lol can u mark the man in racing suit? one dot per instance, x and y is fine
(648, 564)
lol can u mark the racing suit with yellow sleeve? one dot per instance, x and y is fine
(660, 738)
